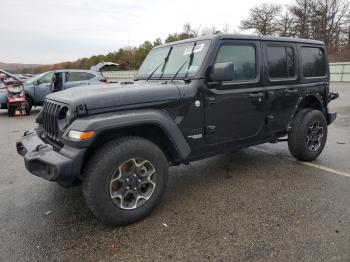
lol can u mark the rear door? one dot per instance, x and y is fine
(77, 79)
(281, 82)
(235, 109)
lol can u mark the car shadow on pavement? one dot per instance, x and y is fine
(4, 113)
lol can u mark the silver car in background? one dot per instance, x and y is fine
(38, 87)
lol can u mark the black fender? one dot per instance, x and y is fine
(317, 98)
(131, 118)
(314, 101)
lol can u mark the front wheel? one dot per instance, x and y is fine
(125, 180)
(308, 135)
(11, 111)
(29, 105)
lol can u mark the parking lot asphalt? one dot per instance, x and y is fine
(257, 204)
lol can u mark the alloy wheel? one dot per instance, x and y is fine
(314, 136)
(133, 183)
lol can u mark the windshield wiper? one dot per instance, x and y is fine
(178, 71)
(162, 63)
(191, 59)
(151, 74)
(189, 64)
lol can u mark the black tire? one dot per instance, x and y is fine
(10, 111)
(29, 105)
(298, 144)
(101, 169)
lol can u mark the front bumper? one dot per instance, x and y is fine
(331, 117)
(42, 160)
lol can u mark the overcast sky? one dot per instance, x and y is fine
(50, 31)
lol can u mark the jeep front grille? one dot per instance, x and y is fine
(50, 116)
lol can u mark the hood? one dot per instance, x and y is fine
(107, 97)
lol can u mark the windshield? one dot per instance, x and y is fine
(35, 78)
(179, 55)
(44, 78)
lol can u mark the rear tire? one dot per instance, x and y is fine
(308, 135)
(125, 180)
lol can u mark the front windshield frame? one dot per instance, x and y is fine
(184, 48)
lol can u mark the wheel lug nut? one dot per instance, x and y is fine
(127, 188)
(127, 180)
(134, 175)
(139, 180)
(135, 188)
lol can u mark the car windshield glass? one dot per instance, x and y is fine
(179, 55)
(35, 78)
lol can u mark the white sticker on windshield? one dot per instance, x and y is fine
(198, 48)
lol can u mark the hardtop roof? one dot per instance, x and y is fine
(247, 37)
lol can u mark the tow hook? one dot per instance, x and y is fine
(332, 96)
(26, 133)
(41, 146)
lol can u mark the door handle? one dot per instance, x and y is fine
(291, 91)
(256, 95)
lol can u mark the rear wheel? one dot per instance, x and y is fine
(308, 136)
(125, 180)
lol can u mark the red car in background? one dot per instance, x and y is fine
(12, 95)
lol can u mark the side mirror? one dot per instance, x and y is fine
(37, 82)
(222, 72)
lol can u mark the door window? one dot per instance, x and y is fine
(79, 76)
(46, 78)
(280, 60)
(243, 58)
(314, 62)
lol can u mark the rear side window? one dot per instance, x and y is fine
(281, 62)
(314, 62)
(79, 76)
(243, 59)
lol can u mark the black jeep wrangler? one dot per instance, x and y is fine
(189, 100)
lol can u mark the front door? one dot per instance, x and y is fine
(43, 87)
(236, 109)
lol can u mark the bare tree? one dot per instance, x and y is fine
(320, 19)
(301, 11)
(263, 18)
(210, 31)
(226, 28)
(285, 25)
(190, 30)
(330, 19)
(346, 28)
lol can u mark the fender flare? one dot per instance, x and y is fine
(131, 118)
(316, 97)
(301, 102)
